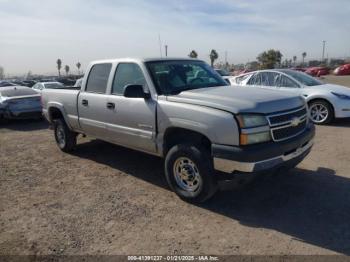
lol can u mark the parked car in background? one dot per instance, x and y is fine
(317, 71)
(225, 75)
(19, 102)
(342, 70)
(6, 83)
(326, 101)
(183, 111)
(50, 85)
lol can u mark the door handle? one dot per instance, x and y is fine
(85, 102)
(110, 105)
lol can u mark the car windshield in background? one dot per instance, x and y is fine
(54, 85)
(222, 72)
(175, 76)
(303, 78)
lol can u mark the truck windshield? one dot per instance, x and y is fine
(174, 76)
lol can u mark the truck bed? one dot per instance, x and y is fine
(66, 99)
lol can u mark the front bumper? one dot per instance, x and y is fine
(263, 157)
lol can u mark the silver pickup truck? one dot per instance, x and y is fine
(183, 111)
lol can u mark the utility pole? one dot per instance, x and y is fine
(166, 50)
(226, 60)
(160, 45)
(324, 47)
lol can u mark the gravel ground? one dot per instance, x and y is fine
(104, 199)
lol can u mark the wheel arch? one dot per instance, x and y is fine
(176, 135)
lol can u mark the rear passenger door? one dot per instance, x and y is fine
(131, 121)
(92, 101)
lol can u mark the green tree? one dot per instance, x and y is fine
(78, 66)
(59, 66)
(193, 54)
(303, 55)
(213, 56)
(269, 59)
(66, 68)
(294, 59)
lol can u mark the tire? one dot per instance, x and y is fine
(196, 163)
(66, 140)
(321, 106)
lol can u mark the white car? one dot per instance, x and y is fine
(225, 75)
(43, 85)
(326, 101)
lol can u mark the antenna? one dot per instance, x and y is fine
(160, 46)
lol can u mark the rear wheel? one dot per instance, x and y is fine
(321, 112)
(189, 172)
(66, 140)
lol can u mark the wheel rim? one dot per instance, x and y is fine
(60, 136)
(319, 112)
(187, 175)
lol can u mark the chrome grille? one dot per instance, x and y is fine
(288, 124)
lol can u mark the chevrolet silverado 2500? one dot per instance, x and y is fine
(183, 111)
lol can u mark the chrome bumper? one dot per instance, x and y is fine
(229, 166)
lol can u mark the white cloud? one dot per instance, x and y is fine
(35, 33)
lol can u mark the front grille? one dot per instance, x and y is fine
(278, 119)
(287, 132)
(288, 124)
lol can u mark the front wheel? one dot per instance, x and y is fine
(66, 140)
(189, 172)
(321, 112)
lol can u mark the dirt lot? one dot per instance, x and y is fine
(340, 80)
(104, 199)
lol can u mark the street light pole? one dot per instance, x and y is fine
(166, 50)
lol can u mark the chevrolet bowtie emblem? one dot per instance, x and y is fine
(295, 121)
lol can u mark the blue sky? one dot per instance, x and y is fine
(35, 33)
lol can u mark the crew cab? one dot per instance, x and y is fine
(183, 111)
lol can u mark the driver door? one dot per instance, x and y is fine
(131, 121)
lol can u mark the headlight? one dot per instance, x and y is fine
(342, 96)
(251, 120)
(248, 139)
(254, 129)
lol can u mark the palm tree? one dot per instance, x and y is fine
(294, 59)
(78, 66)
(304, 55)
(59, 66)
(66, 68)
(193, 54)
(213, 56)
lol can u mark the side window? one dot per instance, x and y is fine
(98, 78)
(255, 80)
(127, 74)
(251, 81)
(287, 82)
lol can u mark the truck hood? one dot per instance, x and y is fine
(240, 99)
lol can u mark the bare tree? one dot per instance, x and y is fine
(294, 59)
(59, 66)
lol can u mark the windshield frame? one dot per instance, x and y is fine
(205, 66)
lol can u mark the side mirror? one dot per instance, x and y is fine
(135, 91)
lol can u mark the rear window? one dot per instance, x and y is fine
(98, 78)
